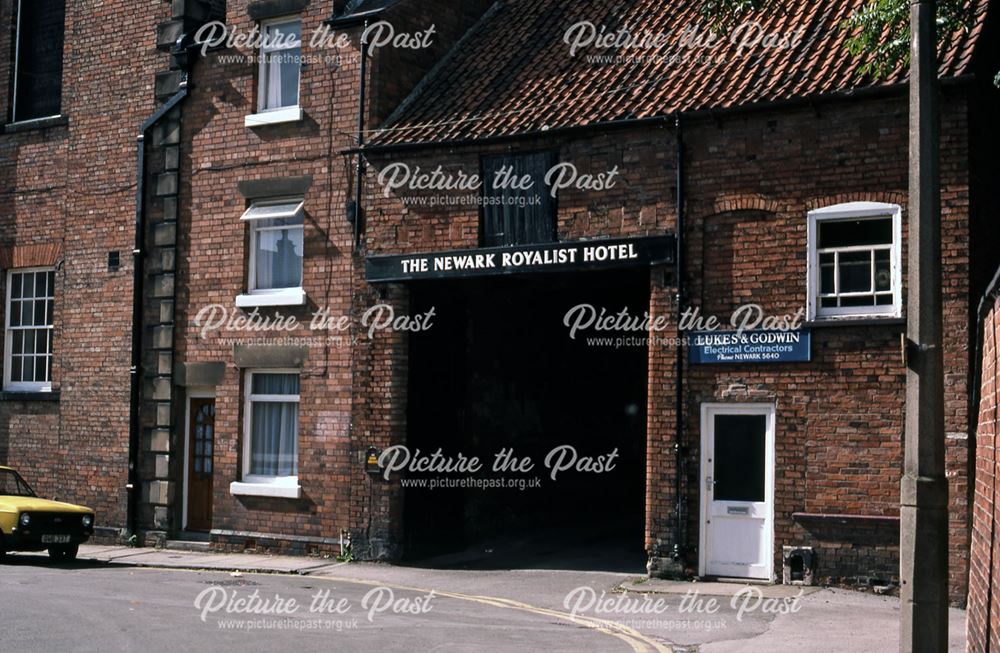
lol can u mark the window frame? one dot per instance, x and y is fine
(17, 73)
(283, 113)
(845, 212)
(552, 156)
(255, 484)
(22, 386)
(291, 296)
(15, 70)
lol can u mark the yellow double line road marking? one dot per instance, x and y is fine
(637, 641)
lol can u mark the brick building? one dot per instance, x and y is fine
(773, 147)
(984, 613)
(709, 176)
(72, 108)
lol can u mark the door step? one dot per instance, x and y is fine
(737, 580)
(197, 542)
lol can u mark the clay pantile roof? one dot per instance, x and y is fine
(514, 71)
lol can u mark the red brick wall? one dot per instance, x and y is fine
(336, 419)
(641, 204)
(984, 576)
(751, 181)
(218, 152)
(380, 373)
(840, 417)
(71, 188)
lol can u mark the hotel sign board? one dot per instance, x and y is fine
(716, 347)
(526, 259)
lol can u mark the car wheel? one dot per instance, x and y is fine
(64, 553)
(3, 555)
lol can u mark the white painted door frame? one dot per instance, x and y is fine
(708, 413)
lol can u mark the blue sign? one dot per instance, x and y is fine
(707, 347)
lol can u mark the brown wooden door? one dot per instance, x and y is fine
(201, 446)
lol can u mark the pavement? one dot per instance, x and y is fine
(501, 609)
(178, 559)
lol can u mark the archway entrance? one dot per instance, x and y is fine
(500, 372)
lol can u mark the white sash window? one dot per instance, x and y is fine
(854, 261)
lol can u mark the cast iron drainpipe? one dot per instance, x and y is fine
(360, 170)
(359, 20)
(680, 529)
(138, 259)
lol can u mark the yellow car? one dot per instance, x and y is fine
(28, 523)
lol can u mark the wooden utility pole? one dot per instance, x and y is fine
(924, 489)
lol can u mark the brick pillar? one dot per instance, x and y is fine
(663, 513)
(381, 377)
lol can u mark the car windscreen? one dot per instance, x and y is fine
(12, 485)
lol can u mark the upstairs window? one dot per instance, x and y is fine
(854, 261)
(280, 62)
(38, 61)
(28, 346)
(276, 249)
(516, 213)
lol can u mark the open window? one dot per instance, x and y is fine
(854, 261)
(275, 257)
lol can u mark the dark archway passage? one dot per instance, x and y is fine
(499, 371)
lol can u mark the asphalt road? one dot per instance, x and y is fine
(365, 607)
(47, 608)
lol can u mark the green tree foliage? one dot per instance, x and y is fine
(879, 31)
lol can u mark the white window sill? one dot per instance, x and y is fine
(847, 317)
(275, 117)
(35, 123)
(287, 297)
(28, 387)
(280, 491)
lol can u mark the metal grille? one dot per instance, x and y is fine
(55, 522)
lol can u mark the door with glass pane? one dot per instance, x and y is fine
(201, 445)
(737, 504)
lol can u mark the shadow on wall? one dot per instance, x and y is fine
(840, 547)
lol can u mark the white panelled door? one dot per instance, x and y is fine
(737, 498)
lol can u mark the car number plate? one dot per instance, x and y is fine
(55, 539)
